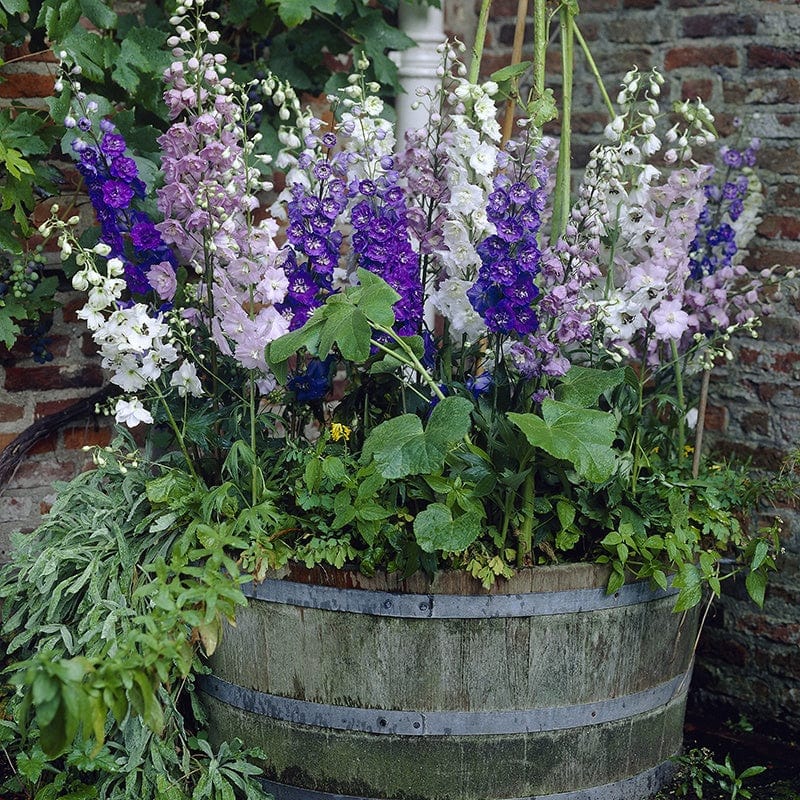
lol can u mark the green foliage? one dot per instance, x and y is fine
(106, 612)
(702, 778)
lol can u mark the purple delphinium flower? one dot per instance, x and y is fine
(382, 243)
(112, 180)
(505, 290)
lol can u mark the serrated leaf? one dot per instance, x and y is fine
(760, 553)
(583, 437)
(99, 13)
(295, 12)
(689, 582)
(756, 585)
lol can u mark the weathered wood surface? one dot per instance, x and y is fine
(458, 665)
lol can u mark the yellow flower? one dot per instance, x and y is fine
(339, 432)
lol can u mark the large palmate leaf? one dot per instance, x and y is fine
(581, 436)
(345, 321)
(582, 386)
(401, 447)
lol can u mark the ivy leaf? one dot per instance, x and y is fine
(294, 12)
(401, 447)
(435, 529)
(99, 13)
(581, 436)
(15, 7)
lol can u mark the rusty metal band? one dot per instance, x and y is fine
(439, 606)
(645, 784)
(444, 723)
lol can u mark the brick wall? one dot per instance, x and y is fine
(742, 57)
(30, 391)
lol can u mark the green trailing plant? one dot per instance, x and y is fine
(702, 777)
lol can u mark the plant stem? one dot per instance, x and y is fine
(701, 421)
(480, 37)
(676, 366)
(539, 46)
(593, 69)
(526, 527)
(562, 190)
(516, 57)
(178, 433)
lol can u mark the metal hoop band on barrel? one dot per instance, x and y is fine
(429, 606)
(444, 723)
(628, 789)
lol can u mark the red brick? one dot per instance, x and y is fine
(56, 344)
(775, 227)
(785, 362)
(767, 391)
(599, 5)
(782, 632)
(697, 87)
(88, 345)
(761, 90)
(6, 439)
(70, 309)
(699, 26)
(716, 418)
(24, 51)
(761, 56)
(720, 56)
(43, 446)
(788, 194)
(19, 379)
(770, 256)
(748, 356)
(504, 8)
(43, 473)
(28, 84)
(640, 3)
(93, 436)
(48, 407)
(11, 412)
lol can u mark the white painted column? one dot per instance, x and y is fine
(417, 66)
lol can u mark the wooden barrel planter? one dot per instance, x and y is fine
(550, 690)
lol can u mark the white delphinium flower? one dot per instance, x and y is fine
(127, 372)
(451, 301)
(460, 259)
(132, 412)
(186, 381)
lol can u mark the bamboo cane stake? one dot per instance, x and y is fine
(516, 57)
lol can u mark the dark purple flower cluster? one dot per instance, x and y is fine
(382, 243)
(112, 181)
(714, 245)
(311, 235)
(505, 290)
(312, 385)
